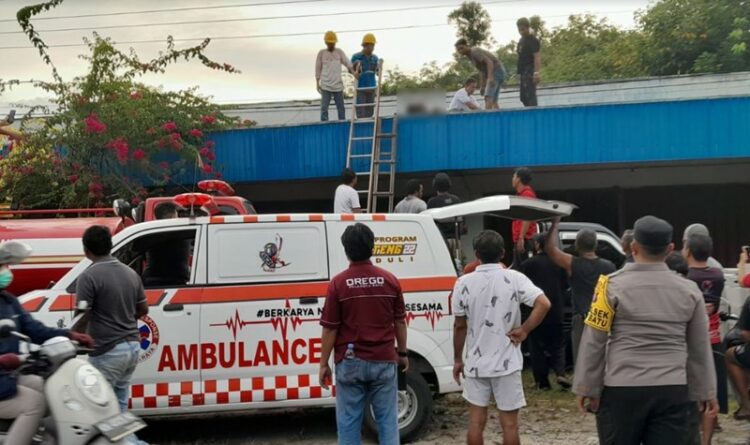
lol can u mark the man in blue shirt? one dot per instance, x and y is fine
(366, 67)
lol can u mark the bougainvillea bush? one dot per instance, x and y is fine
(110, 136)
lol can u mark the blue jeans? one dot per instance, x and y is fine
(357, 382)
(325, 100)
(118, 365)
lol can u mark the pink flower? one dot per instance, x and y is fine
(164, 165)
(73, 179)
(196, 133)
(208, 119)
(121, 148)
(163, 142)
(177, 145)
(176, 137)
(204, 151)
(139, 154)
(135, 95)
(94, 125)
(169, 127)
(211, 156)
(207, 168)
(210, 144)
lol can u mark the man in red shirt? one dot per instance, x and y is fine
(523, 231)
(362, 318)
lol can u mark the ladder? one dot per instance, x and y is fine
(371, 151)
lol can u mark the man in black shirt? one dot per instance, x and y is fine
(442, 185)
(738, 364)
(547, 348)
(583, 274)
(529, 62)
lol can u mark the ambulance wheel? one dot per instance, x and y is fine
(414, 408)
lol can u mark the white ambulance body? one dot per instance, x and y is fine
(245, 334)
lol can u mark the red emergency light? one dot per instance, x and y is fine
(193, 200)
(215, 186)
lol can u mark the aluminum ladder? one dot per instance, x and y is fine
(371, 152)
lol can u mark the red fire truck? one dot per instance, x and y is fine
(55, 235)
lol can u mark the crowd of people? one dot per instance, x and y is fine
(365, 67)
(650, 360)
(646, 340)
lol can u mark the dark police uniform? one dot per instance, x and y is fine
(645, 351)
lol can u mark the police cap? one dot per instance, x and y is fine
(651, 231)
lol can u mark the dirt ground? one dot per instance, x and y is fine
(550, 418)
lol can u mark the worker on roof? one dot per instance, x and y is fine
(366, 67)
(328, 80)
(492, 72)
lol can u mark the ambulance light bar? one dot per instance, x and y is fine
(215, 186)
(193, 200)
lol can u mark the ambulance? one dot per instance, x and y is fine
(244, 332)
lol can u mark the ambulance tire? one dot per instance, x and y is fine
(418, 398)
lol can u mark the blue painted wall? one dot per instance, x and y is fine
(659, 131)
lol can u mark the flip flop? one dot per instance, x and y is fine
(738, 416)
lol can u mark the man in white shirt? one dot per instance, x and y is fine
(487, 309)
(412, 203)
(464, 100)
(328, 76)
(346, 199)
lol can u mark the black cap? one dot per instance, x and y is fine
(651, 231)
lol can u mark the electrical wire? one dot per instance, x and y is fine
(263, 36)
(191, 8)
(251, 19)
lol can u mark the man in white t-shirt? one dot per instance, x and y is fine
(328, 79)
(464, 100)
(487, 309)
(346, 199)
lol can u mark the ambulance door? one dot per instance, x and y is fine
(261, 309)
(168, 374)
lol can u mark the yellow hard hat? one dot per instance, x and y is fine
(369, 38)
(330, 37)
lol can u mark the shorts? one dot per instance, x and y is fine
(494, 92)
(507, 390)
(742, 354)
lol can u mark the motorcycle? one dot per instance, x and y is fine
(82, 407)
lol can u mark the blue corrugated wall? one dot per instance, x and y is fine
(659, 131)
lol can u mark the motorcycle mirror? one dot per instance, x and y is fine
(122, 208)
(6, 328)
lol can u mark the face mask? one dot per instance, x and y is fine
(6, 276)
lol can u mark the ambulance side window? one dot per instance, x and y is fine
(267, 253)
(162, 259)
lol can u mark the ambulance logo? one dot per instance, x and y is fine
(149, 337)
(271, 255)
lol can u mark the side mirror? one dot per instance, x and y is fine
(7, 327)
(122, 208)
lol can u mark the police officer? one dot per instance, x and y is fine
(645, 351)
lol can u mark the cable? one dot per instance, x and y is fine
(251, 19)
(263, 36)
(194, 8)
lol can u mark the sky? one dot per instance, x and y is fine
(273, 68)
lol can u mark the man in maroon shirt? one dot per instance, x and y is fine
(523, 231)
(362, 319)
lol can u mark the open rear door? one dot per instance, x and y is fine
(504, 206)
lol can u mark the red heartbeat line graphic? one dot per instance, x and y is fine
(431, 316)
(236, 323)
